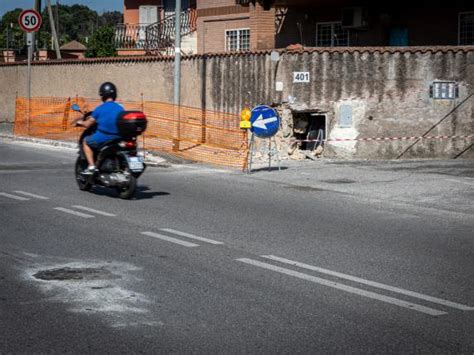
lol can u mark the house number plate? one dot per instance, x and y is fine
(301, 77)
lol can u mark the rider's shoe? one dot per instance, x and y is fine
(90, 170)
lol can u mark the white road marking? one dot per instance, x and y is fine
(191, 236)
(460, 182)
(94, 211)
(357, 291)
(372, 283)
(170, 239)
(32, 195)
(4, 194)
(75, 213)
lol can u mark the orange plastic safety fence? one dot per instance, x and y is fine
(190, 133)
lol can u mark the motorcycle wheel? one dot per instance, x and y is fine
(82, 182)
(128, 191)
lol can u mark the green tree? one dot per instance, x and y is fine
(102, 43)
(76, 22)
(110, 18)
(11, 35)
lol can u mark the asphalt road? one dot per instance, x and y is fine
(210, 260)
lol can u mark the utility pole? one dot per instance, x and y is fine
(53, 30)
(177, 66)
(177, 50)
(8, 38)
(36, 35)
(57, 18)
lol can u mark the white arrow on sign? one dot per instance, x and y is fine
(260, 122)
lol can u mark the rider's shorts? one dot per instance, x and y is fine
(98, 140)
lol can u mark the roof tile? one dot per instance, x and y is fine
(291, 51)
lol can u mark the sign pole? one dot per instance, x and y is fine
(30, 21)
(269, 154)
(29, 41)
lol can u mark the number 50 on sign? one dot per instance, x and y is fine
(301, 77)
(30, 20)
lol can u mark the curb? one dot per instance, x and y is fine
(49, 142)
(150, 160)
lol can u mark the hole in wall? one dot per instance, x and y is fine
(310, 132)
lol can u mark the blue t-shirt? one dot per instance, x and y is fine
(106, 118)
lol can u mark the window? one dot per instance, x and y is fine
(148, 14)
(466, 28)
(237, 40)
(331, 34)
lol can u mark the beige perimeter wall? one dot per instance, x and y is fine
(387, 89)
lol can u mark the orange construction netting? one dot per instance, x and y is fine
(190, 133)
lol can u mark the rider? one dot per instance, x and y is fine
(105, 116)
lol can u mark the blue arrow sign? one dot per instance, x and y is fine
(265, 121)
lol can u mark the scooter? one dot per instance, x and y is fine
(118, 163)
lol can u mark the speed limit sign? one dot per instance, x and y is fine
(30, 20)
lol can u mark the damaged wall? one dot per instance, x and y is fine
(387, 90)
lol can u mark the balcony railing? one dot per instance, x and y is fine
(130, 36)
(160, 35)
(157, 38)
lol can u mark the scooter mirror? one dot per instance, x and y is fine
(75, 107)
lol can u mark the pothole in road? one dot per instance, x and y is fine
(304, 188)
(75, 274)
(339, 181)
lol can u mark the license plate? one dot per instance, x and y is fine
(135, 163)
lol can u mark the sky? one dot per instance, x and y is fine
(97, 5)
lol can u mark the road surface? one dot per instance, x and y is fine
(211, 260)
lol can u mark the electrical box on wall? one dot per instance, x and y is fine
(444, 90)
(345, 116)
(355, 18)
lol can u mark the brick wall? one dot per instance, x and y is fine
(214, 18)
(262, 27)
(211, 37)
(207, 4)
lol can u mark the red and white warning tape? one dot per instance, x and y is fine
(382, 139)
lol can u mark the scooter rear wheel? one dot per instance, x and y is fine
(128, 191)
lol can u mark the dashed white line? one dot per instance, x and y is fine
(94, 211)
(332, 284)
(32, 195)
(75, 213)
(191, 236)
(460, 182)
(170, 239)
(372, 283)
(13, 197)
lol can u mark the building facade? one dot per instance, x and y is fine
(231, 25)
(211, 26)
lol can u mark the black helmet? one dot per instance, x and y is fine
(108, 91)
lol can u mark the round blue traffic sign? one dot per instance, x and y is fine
(265, 121)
